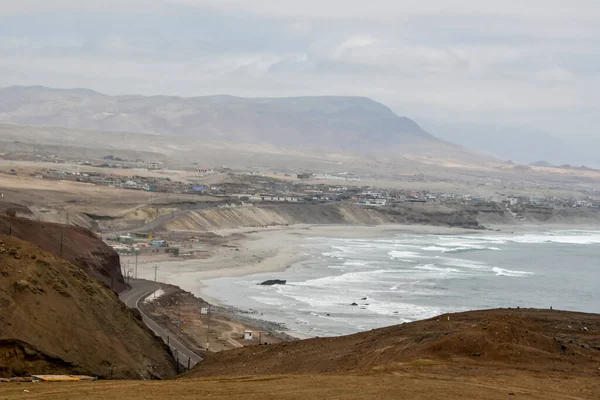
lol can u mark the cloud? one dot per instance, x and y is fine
(388, 9)
(555, 74)
(475, 60)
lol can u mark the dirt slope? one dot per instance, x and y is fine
(80, 247)
(54, 318)
(538, 339)
(290, 214)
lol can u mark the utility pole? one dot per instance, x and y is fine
(61, 244)
(208, 330)
(155, 271)
(136, 263)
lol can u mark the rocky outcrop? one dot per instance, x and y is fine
(273, 282)
(77, 245)
(55, 318)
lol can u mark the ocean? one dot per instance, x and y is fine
(346, 285)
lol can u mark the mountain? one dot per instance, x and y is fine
(520, 144)
(343, 123)
(542, 164)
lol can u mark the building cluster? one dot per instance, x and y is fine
(140, 244)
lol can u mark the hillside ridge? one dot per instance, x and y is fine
(350, 123)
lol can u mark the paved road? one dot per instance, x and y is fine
(140, 289)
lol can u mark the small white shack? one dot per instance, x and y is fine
(247, 335)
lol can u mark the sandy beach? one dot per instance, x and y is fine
(251, 251)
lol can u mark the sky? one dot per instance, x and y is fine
(533, 63)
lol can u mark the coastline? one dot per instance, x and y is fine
(245, 252)
(251, 251)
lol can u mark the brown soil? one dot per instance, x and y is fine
(496, 354)
(415, 383)
(79, 246)
(226, 331)
(54, 318)
(542, 340)
(17, 208)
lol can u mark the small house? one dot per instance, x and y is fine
(204, 171)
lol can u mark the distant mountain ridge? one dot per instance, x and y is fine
(346, 123)
(521, 144)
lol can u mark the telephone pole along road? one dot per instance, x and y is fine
(140, 289)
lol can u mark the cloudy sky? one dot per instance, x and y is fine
(532, 63)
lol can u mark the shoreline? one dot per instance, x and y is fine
(251, 251)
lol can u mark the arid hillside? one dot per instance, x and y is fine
(492, 355)
(54, 318)
(541, 340)
(76, 245)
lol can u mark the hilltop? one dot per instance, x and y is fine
(541, 340)
(54, 318)
(76, 245)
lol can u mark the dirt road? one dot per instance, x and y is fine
(140, 289)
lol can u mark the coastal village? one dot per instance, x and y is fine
(247, 189)
(301, 187)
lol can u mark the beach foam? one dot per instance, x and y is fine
(508, 272)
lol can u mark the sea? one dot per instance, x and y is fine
(345, 285)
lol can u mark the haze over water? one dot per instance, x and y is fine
(408, 277)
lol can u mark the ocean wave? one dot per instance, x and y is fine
(434, 268)
(271, 301)
(409, 312)
(356, 263)
(559, 238)
(346, 279)
(564, 237)
(470, 248)
(508, 272)
(457, 262)
(434, 248)
(403, 254)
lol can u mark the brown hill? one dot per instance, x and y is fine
(79, 246)
(518, 338)
(54, 318)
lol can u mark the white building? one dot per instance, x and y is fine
(374, 202)
(204, 171)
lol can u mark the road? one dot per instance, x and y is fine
(140, 289)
